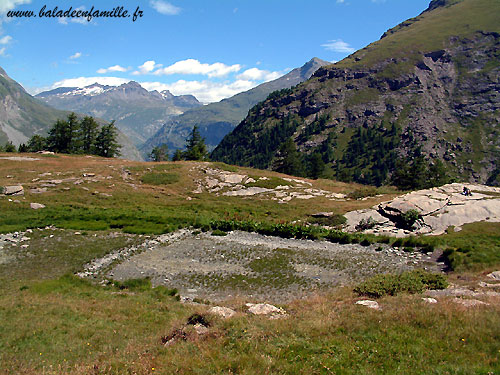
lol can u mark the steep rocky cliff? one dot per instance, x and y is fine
(430, 86)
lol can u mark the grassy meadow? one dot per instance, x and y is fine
(52, 322)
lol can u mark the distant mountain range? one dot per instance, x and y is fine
(430, 87)
(137, 112)
(215, 120)
(22, 116)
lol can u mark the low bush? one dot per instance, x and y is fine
(365, 224)
(409, 218)
(407, 282)
(362, 193)
(334, 220)
(218, 232)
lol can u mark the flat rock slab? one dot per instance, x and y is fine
(13, 190)
(370, 304)
(19, 158)
(440, 208)
(429, 300)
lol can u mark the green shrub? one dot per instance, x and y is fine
(398, 242)
(407, 282)
(218, 232)
(335, 220)
(362, 193)
(364, 224)
(409, 218)
(365, 242)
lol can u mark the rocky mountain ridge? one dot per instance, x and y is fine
(377, 106)
(22, 116)
(137, 112)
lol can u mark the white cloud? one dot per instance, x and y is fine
(80, 20)
(114, 68)
(6, 5)
(77, 55)
(147, 67)
(164, 8)
(340, 1)
(85, 81)
(205, 91)
(338, 45)
(192, 66)
(255, 74)
(2, 51)
(6, 39)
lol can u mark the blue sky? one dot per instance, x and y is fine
(210, 48)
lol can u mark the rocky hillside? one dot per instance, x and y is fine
(215, 120)
(429, 87)
(138, 113)
(22, 116)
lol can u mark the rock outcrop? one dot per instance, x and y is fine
(439, 208)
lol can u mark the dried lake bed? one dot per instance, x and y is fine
(252, 266)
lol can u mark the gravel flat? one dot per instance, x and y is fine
(259, 267)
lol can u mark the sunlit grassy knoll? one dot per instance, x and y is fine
(153, 198)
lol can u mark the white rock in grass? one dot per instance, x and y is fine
(494, 275)
(36, 206)
(370, 304)
(223, 312)
(264, 309)
(429, 300)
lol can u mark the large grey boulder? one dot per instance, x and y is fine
(13, 190)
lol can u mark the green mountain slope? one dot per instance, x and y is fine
(22, 116)
(215, 120)
(430, 86)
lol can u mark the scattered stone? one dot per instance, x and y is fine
(89, 175)
(247, 192)
(487, 285)
(470, 302)
(223, 312)
(36, 206)
(370, 304)
(19, 158)
(264, 309)
(13, 190)
(429, 300)
(494, 275)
